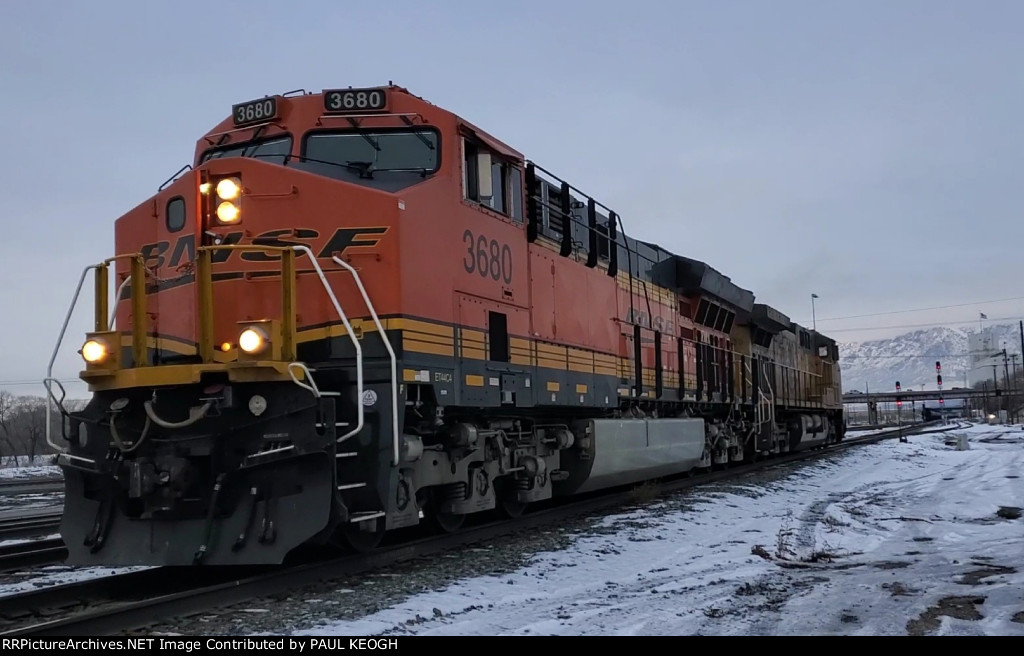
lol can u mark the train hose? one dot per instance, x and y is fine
(117, 438)
(194, 415)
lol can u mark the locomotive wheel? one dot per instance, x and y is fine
(511, 508)
(508, 504)
(361, 540)
(445, 522)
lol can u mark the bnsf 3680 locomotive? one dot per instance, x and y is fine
(357, 311)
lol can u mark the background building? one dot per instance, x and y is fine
(986, 350)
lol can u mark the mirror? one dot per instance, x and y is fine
(483, 175)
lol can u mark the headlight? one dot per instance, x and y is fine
(204, 188)
(227, 212)
(229, 189)
(94, 351)
(252, 340)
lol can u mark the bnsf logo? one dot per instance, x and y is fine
(160, 254)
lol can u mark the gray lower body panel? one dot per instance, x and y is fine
(632, 450)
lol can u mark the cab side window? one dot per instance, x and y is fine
(491, 181)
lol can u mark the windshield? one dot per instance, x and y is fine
(371, 152)
(273, 150)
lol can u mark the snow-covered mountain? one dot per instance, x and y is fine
(910, 358)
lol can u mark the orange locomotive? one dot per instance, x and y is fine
(356, 311)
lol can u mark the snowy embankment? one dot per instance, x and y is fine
(39, 466)
(890, 538)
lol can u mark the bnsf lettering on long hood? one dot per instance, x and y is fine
(156, 254)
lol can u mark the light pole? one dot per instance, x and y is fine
(814, 320)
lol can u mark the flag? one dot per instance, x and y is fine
(814, 296)
(983, 315)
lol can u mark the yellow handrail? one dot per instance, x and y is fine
(137, 275)
(204, 282)
(204, 295)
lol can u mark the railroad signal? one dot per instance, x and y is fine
(941, 401)
(939, 379)
(897, 385)
(938, 367)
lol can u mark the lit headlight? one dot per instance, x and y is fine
(94, 351)
(228, 212)
(252, 340)
(229, 189)
(204, 188)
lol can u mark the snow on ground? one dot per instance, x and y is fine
(45, 577)
(872, 431)
(41, 467)
(890, 538)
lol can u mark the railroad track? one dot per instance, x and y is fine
(32, 553)
(138, 599)
(27, 526)
(40, 485)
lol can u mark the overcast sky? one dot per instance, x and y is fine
(866, 151)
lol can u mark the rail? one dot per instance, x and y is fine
(351, 335)
(204, 293)
(101, 322)
(204, 280)
(391, 355)
(105, 316)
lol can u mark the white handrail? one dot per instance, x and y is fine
(391, 354)
(117, 299)
(771, 392)
(313, 389)
(48, 381)
(351, 335)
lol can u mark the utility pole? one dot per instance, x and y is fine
(1013, 383)
(1022, 341)
(814, 320)
(899, 417)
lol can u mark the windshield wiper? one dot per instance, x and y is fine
(423, 171)
(252, 140)
(365, 169)
(364, 134)
(418, 133)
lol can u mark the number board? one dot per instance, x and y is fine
(254, 111)
(340, 101)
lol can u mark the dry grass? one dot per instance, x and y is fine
(646, 492)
